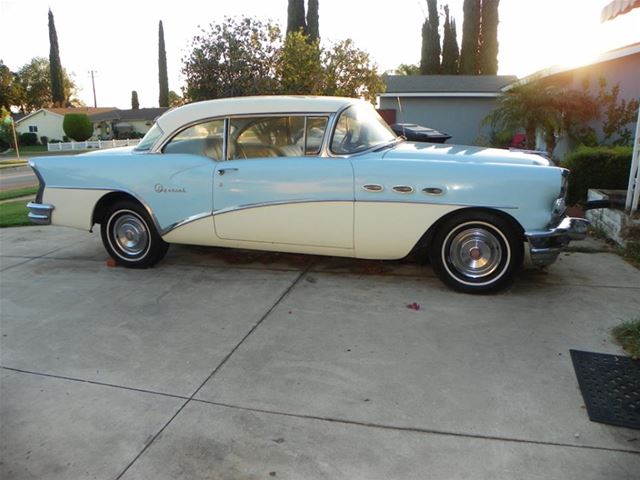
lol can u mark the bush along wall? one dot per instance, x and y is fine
(597, 167)
(28, 139)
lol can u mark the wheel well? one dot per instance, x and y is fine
(109, 199)
(421, 247)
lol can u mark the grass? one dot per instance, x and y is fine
(17, 193)
(628, 336)
(14, 214)
(631, 253)
(30, 149)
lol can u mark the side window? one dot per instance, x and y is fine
(316, 126)
(260, 137)
(205, 139)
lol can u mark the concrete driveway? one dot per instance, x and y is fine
(244, 365)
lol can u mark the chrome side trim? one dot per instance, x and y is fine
(404, 189)
(373, 187)
(40, 213)
(248, 206)
(182, 223)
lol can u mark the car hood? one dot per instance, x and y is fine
(111, 151)
(462, 153)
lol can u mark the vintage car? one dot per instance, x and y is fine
(317, 175)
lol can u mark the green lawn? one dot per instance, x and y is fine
(628, 336)
(14, 214)
(18, 192)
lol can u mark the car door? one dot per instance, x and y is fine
(275, 188)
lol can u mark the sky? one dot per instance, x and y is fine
(118, 39)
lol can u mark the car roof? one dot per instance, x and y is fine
(277, 104)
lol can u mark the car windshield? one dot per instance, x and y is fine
(149, 139)
(360, 128)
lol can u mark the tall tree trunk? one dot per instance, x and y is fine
(530, 133)
(470, 38)
(295, 17)
(488, 60)
(450, 50)
(313, 20)
(430, 59)
(162, 69)
(55, 67)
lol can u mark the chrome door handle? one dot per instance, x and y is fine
(222, 171)
(373, 187)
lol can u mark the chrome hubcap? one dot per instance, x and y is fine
(475, 252)
(130, 234)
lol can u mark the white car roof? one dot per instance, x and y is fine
(277, 104)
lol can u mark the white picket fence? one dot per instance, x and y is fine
(89, 144)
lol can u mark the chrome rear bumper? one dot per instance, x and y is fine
(544, 246)
(40, 213)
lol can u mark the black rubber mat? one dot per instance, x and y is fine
(610, 386)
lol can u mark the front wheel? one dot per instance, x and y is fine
(129, 236)
(476, 252)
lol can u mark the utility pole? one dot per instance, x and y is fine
(93, 83)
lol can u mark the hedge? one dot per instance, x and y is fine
(597, 167)
(77, 126)
(28, 139)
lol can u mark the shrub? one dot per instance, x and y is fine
(28, 139)
(597, 167)
(44, 140)
(65, 139)
(55, 140)
(77, 126)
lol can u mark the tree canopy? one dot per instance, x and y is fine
(55, 66)
(163, 98)
(31, 87)
(295, 17)
(246, 56)
(470, 38)
(430, 55)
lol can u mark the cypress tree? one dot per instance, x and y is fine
(295, 17)
(470, 38)
(135, 105)
(450, 51)
(55, 67)
(313, 26)
(430, 58)
(162, 69)
(488, 54)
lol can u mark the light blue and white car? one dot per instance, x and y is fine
(317, 175)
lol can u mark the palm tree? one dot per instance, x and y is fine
(536, 106)
(530, 106)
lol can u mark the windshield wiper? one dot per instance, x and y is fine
(393, 142)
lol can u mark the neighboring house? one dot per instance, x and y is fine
(618, 67)
(47, 122)
(455, 104)
(107, 122)
(116, 123)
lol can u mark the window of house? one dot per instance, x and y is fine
(33, 129)
(205, 139)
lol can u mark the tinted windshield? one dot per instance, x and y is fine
(359, 128)
(149, 139)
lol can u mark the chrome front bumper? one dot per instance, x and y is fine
(544, 246)
(40, 213)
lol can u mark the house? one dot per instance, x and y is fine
(107, 122)
(455, 104)
(122, 123)
(47, 122)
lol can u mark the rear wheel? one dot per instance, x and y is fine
(129, 236)
(476, 252)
